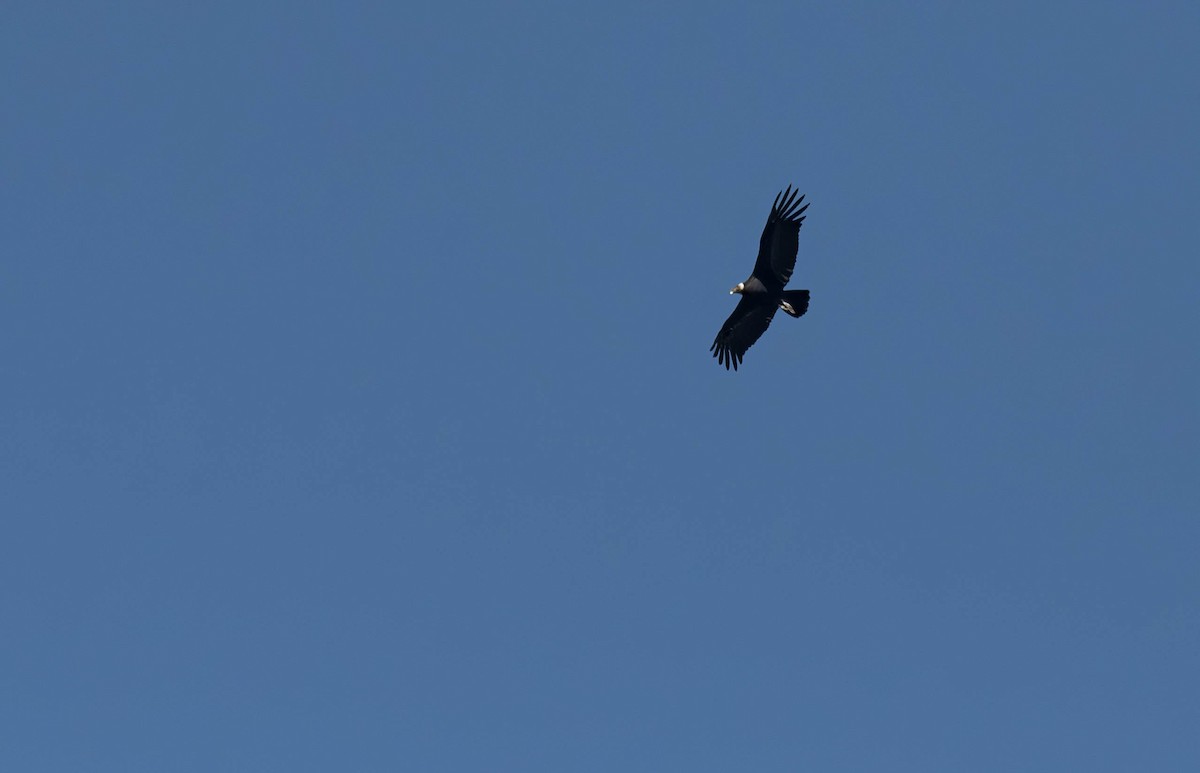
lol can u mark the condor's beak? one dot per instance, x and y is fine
(737, 288)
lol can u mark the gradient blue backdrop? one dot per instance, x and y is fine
(357, 409)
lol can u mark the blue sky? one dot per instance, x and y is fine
(359, 415)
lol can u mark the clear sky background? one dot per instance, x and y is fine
(358, 414)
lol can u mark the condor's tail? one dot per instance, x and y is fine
(794, 302)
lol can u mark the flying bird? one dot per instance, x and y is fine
(763, 293)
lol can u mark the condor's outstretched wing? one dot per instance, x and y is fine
(780, 240)
(750, 318)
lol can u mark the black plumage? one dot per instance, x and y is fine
(763, 293)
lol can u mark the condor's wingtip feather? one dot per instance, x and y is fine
(781, 201)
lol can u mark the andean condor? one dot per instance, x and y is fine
(763, 292)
